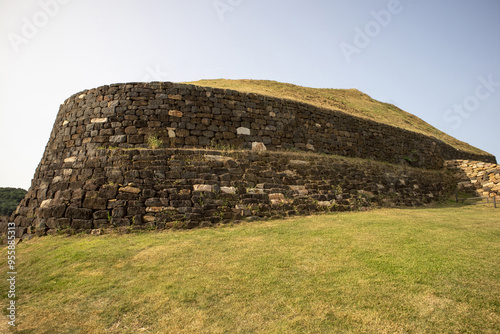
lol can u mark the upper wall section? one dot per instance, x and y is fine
(125, 115)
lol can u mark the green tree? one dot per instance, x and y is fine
(9, 200)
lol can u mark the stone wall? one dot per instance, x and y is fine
(478, 177)
(126, 115)
(98, 170)
(165, 188)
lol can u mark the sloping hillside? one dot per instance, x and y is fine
(351, 101)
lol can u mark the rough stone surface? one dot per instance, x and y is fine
(477, 177)
(258, 147)
(123, 115)
(97, 171)
(243, 131)
(191, 187)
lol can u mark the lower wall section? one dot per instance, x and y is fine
(483, 178)
(156, 189)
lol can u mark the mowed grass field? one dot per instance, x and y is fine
(427, 270)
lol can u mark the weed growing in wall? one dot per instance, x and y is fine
(154, 142)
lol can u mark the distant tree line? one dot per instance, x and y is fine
(9, 200)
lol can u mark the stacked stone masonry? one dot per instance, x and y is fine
(165, 188)
(126, 115)
(98, 170)
(477, 177)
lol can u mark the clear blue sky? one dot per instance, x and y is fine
(439, 60)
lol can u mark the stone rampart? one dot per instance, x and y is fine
(99, 170)
(164, 188)
(126, 115)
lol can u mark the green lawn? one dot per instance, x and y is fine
(431, 270)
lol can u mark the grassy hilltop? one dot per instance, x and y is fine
(350, 101)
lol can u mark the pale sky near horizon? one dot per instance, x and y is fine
(439, 60)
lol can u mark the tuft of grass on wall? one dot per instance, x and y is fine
(154, 142)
